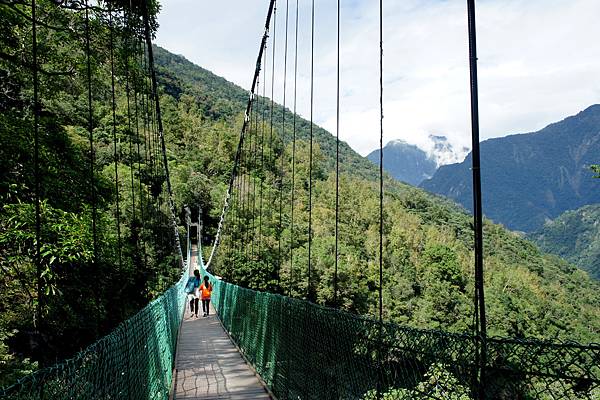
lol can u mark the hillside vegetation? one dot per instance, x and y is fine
(428, 240)
(428, 250)
(75, 298)
(552, 165)
(574, 236)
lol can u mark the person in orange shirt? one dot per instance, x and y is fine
(205, 292)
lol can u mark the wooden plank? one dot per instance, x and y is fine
(208, 364)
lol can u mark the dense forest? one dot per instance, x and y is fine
(93, 278)
(428, 240)
(557, 162)
(92, 273)
(574, 236)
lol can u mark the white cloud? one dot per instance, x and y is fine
(538, 61)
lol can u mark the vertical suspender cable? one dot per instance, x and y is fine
(262, 155)
(91, 134)
(380, 161)
(312, 64)
(144, 113)
(241, 195)
(247, 175)
(477, 207)
(380, 289)
(240, 143)
(161, 133)
(255, 133)
(244, 190)
(139, 155)
(256, 115)
(130, 131)
(36, 166)
(114, 129)
(271, 150)
(337, 162)
(294, 154)
(287, 6)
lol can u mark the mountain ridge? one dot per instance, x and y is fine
(574, 236)
(552, 164)
(410, 163)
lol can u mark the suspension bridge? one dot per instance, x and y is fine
(261, 344)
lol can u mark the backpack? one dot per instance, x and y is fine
(190, 286)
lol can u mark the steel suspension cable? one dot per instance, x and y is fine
(161, 133)
(477, 207)
(281, 173)
(247, 183)
(294, 153)
(381, 161)
(251, 177)
(262, 154)
(380, 288)
(144, 113)
(91, 135)
(114, 131)
(271, 149)
(126, 18)
(243, 130)
(312, 68)
(36, 166)
(337, 162)
(241, 199)
(139, 154)
(254, 167)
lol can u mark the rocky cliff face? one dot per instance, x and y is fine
(405, 162)
(528, 179)
(408, 163)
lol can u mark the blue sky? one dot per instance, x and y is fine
(539, 61)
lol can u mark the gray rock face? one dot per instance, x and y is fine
(528, 179)
(408, 163)
(405, 162)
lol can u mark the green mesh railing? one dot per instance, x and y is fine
(135, 361)
(305, 351)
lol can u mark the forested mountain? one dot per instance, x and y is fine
(411, 164)
(528, 179)
(89, 280)
(405, 162)
(574, 236)
(428, 249)
(114, 173)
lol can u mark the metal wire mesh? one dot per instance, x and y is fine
(135, 361)
(305, 351)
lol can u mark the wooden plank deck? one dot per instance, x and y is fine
(208, 365)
